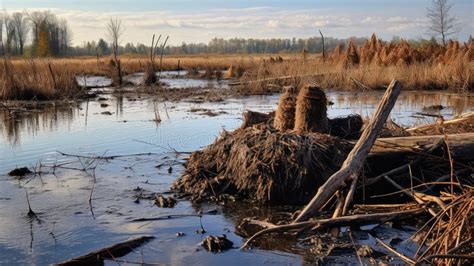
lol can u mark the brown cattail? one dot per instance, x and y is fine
(311, 110)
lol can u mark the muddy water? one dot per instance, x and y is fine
(68, 226)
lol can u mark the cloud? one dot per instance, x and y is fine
(254, 22)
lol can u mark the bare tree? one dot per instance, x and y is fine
(65, 36)
(20, 23)
(115, 32)
(38, 18)
(10, 42)
(442, 23)
(1, 35)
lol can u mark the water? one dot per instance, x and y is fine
(71, 227)
(170, 79)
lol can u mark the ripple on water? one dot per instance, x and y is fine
(68, 228)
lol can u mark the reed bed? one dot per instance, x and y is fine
(370, 66)
(37, 80)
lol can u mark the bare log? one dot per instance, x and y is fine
(352, 166)
(458, 120)
(461, 145)
(117, 250)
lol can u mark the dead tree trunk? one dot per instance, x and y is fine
(352, 166)
(324, 52)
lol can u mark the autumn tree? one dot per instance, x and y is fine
(42, 43)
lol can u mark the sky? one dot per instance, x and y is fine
(200, 21)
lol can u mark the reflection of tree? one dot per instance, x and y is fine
(15, 122)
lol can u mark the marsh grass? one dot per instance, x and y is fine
(37, 80)
(374, 64)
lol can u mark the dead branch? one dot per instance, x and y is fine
(117, 250)
(353, 164)
(340, 221)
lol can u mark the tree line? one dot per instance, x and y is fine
(48, 35)
(36, 34)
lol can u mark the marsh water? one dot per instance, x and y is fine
(68, 225)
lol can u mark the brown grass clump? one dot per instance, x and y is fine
(352, 56)
(285, 113)
(311, 110)
(149, 77)
(115, 72)
(261, 164)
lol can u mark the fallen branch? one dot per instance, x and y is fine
(361, 219)
(400, 255)
(355, 161)
(114, 251)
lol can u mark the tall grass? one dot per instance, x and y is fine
(374, 64)
(37, 80)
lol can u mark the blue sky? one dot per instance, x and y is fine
(199, 21)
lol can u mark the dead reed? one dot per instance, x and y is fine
(37, 80)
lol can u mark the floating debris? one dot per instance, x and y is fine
(217, 243)
(164, 202)
(19, 172)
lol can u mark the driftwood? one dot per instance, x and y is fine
(461, 145)
(458, 120)
(114, 251)
(354, 163)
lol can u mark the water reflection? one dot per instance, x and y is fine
(27, 122)
(21, 121)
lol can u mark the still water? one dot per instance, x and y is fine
(69, 226)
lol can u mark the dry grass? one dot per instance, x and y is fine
(374, 64)
(32, 79)
(37, 80)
